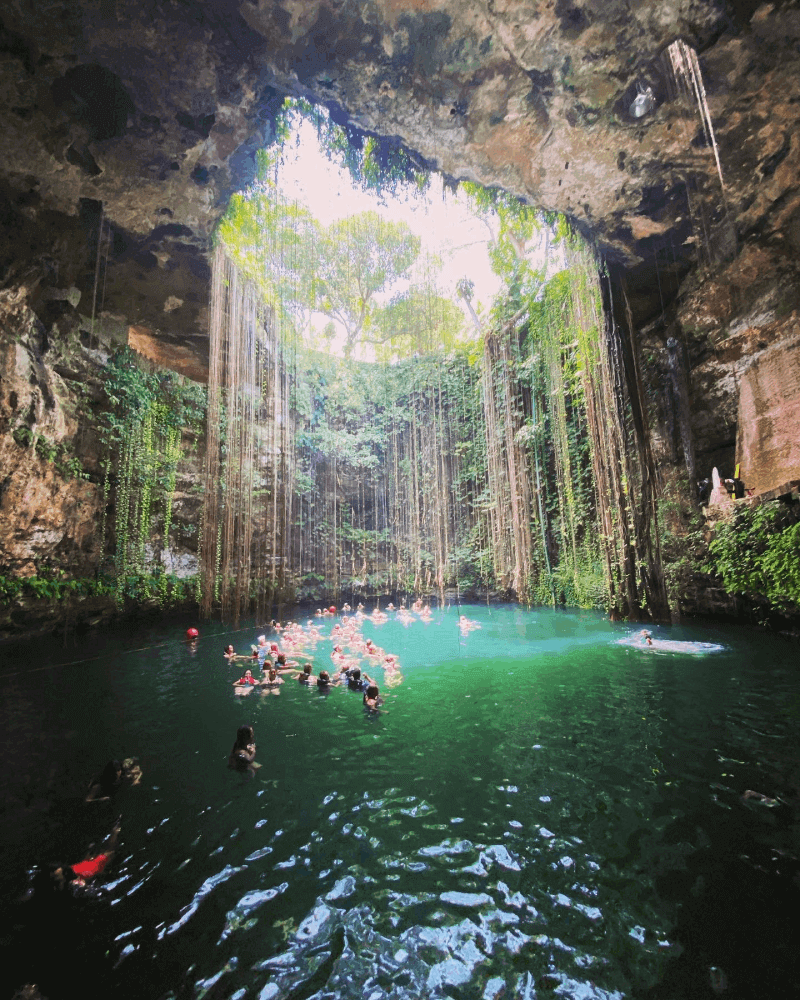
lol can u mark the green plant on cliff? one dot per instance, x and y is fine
(683, 546)
(141, 432)
(757, 553)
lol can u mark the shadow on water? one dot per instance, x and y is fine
(541, 810)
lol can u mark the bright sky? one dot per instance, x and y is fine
(442, 220)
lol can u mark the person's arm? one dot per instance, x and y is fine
(247, 753)
(94, 794)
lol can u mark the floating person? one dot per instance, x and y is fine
(281, 663)
(271, 681)
(644, 640)
(232, 655)
(81, 872)
(467, 625)
(243, 754)
(105, 784)
(245, 684)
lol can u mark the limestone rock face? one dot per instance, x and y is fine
(149, 115)
(48, 511)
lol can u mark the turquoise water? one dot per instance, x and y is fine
(541, 809)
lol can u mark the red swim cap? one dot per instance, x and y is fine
(332, 609)
(192, 633)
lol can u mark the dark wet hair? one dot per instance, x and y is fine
(324, 676)
(281, 658)
(306, 668)
(372, 691)
(244, 736)
(109, 777)
(356, 674)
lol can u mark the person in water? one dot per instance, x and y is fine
(243, 754)
(245, 680)
(324, 682)
(271, 680)
(372, 698)
(647, 637)
(81, 872)
(105, 784)
(305, 676)
(356, 682)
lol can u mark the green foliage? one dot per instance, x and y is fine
(360, 257)
(757, 553)
(22, 436)
(375, 163)
(683, 547)
(141, 433)
(166, 589)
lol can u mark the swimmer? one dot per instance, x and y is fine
(243, 754)
(229, 653)
(281, 663)
(83, 871)
(325, 683)
(271, 680)
(372, 699)
(245, 679)
(305, 676)
(356, 682)
(131, 771)
(104, 785)
(647, 637)
(390, 606)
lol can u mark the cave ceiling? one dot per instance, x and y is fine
(151, 112)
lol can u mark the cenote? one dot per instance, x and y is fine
(541, 810)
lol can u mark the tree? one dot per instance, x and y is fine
(357, 258)
(419, 320)
(274, 243)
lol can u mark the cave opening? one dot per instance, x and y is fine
(459, 446)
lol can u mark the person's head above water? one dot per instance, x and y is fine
(306, 668)
(245, 736)
(228, 649)
(324, 676)
(273, 673)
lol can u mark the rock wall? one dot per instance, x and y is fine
(49, 508)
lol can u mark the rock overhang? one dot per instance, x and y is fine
(153, 114)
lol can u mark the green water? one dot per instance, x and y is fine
(540, 809)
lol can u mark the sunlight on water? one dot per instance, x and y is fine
(544, 805)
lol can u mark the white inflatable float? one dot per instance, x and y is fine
(645, 641)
